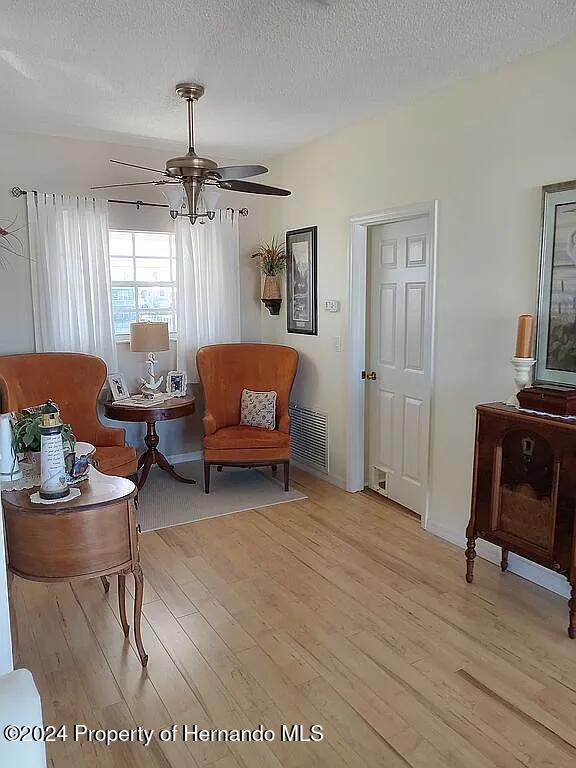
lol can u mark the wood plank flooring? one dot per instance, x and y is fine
(338, 610)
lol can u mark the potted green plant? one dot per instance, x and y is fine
(272, 258)
(26, 435)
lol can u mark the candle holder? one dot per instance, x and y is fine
(522, 376)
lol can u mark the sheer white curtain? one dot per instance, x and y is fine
(71, 275)
(208, 280)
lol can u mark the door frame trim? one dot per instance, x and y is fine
(356, 333)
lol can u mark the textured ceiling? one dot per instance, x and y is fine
(278, 72)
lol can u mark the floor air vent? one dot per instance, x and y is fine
(309, 434)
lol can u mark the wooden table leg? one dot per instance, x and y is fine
(139, 593)
(146, 465)
(122, 603)
(12, 612)
(572, 612)
(504, 561)
(164, 464)
(470, 557)
(153, 456)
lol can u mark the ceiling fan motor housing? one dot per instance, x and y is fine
(190, 165)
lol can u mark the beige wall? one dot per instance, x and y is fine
(483, 148)
(51, 164)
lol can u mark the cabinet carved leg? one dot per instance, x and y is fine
(470, 557)
(122, 603)
(105, 583)
(504, 561)
(139, 592)
(572, 611)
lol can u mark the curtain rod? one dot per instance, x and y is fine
(17, 192)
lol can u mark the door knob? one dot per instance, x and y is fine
(369, 376)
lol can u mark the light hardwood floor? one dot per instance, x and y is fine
(337, 610)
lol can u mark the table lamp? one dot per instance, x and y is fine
(150, 337)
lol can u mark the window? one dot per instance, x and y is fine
(143, 273)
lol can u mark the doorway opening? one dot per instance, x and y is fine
(391, 331)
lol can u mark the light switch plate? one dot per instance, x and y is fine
(332, 305)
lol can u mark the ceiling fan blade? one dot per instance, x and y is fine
(128, 184)
(142, 167)
(240, 171)
(235, 185)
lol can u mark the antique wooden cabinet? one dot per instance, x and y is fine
(524, 490)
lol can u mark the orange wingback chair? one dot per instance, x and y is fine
(225, 370)
(74, 382)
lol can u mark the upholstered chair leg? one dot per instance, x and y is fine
(274, 468)
(286, 475)
(206, 477)
(105, 583)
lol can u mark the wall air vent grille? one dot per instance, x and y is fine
(309, 436)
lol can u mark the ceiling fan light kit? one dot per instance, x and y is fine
(197, 180)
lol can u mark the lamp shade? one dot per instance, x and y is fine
(149, 337)
(211, 196)
(174, 194)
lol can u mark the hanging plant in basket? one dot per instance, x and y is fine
(272, 259)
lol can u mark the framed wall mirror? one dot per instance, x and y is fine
(556, 332)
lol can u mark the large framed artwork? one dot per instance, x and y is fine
(301, 280)
(556, 333)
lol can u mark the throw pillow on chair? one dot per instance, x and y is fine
(258, 409)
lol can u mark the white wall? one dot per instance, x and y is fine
(52, 164)
(483, 148)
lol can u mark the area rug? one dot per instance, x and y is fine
(164, 502)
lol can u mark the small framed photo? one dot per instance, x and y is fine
(118, 386)
(301, 278)
(176, 383)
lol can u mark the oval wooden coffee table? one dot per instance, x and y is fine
(174, 408)
(91, 536)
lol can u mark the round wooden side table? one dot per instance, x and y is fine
(174, 408)
(91, 536)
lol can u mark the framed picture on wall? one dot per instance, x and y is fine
(556, 331)
(301, 281)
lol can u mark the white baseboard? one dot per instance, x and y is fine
(180, 458)
(329, 478)
(516, 564)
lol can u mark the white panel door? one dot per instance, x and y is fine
(398, 353)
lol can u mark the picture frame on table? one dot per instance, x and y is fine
(176, 383)
(556, 327)
(118, 386)
(302, 281)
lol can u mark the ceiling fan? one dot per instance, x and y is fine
(198, 176)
